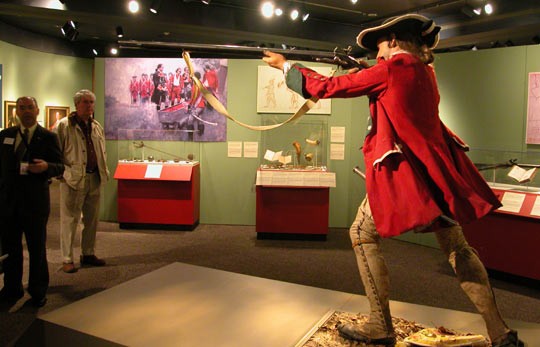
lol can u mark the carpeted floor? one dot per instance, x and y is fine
(419, 274)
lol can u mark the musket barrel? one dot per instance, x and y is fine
(338, 57)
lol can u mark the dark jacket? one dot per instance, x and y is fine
(29, 193)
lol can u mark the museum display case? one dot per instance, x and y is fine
(158, 184)
(298, 145)
(292, 185)
(507, 238)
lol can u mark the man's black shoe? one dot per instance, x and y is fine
(10, 296)
(38, 302)
(349, 331)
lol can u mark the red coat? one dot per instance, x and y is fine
(416, 168)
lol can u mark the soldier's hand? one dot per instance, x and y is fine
(275, 60)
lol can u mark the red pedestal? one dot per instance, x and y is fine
(508, 241)
(171, 199)
(292, 210)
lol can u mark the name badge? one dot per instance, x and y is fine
(23, 168)
(9, 140)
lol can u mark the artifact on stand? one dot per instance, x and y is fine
(315, 143)
(298, 149)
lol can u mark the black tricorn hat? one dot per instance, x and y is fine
(412, 23)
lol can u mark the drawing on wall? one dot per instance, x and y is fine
(155, 99)
(533, 109)
(53, 114)
(273, 96)
(10, 114)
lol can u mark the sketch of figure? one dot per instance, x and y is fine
(293, 100)
(270, 94)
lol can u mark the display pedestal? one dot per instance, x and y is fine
(507, 241)
(164, 195)
(293, 204)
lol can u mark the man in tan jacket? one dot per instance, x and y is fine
(82, 141)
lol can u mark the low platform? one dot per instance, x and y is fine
(187, 305)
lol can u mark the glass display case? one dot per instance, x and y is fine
(300, 145)
(508, 169)
(137, 149)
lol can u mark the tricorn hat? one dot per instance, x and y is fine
(413, 23)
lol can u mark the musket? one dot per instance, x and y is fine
(340, 57)
(509, 163)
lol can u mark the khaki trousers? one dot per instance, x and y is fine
(74, 204)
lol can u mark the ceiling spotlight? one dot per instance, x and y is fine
(69, 30)
(478, 11)
(267, 9)
(468, 11)
(354, 2)
(206, 2)
(278, 11)
(305, 17)
(133, 6)
(488, 9)
(154, 8)
(114, 51)
(95, 51)
(294, 14)
(119, 31)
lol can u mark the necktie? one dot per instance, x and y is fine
(21, 149)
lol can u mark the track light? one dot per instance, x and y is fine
(154, 8)
(133, 6)
(206, 2)
(488, 9)
(267, 9)
(119, 31)
(69, 30)
(294, 14)
(468, 11)
(95, 51)
(305, 17)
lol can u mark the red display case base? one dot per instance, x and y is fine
(508, 242)
(170, 201)
(292, 212)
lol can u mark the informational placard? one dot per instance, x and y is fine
(535, 211)
(153, 171)
(234, 149)
(337, 151)
(337, 134)
(533, 109)
(251, 149)
(512, 202)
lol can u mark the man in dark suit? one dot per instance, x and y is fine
(29, 156)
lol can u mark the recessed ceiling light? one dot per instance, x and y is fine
(133, 6)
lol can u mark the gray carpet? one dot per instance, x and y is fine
(419, 274)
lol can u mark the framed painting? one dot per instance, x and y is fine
(10, 116)
(53, 114)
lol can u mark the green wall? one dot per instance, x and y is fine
(51, 79)
(483, 99)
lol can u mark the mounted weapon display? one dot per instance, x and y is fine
(340, 57)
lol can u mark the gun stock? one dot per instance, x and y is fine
(339, 57)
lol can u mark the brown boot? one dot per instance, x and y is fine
(69, 268)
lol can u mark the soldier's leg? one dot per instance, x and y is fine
(374, 274)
